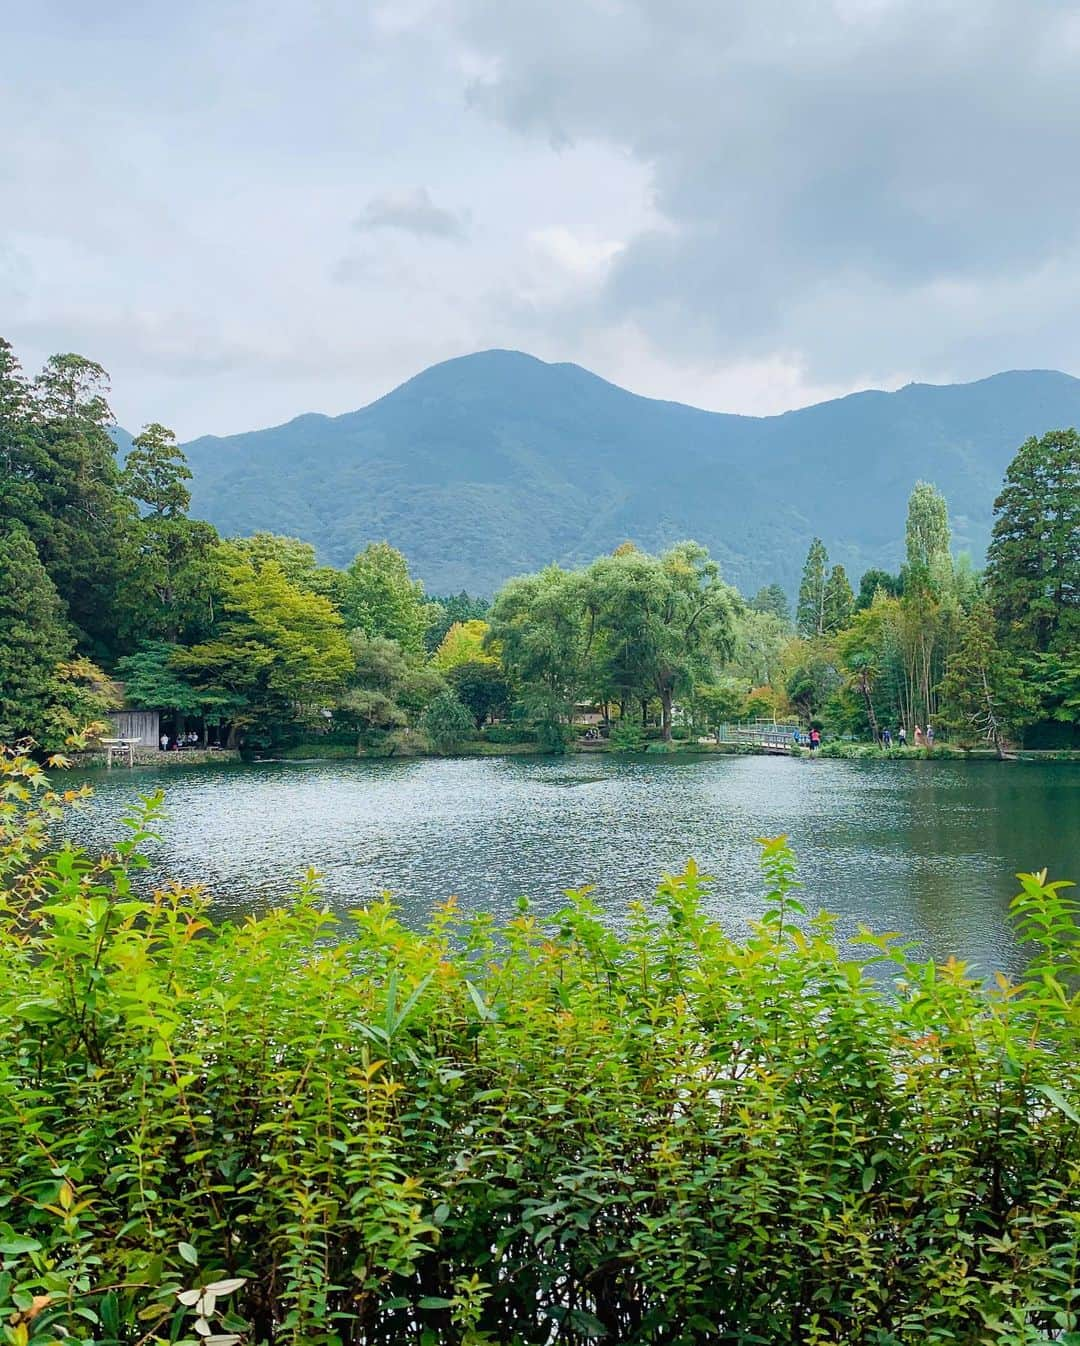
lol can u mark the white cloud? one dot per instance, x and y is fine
(744, 206)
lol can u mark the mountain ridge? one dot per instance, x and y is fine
(490, 464)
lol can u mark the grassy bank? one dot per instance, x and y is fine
(279, 1132)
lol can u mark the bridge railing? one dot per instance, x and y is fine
(758, 732)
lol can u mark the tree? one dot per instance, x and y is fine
(839, 601)
(873, 580)
(928, 610)
(759, 642)
(718, 703)
(481, 687)
(929, 561)
(982, 692)
(445, 611)
(810, 616)
(78, 516)
(298, 561)
(34, 638)
(813, 680)
(279, 652)
(152, 681)
(167, 588)
(388, 689)
(661, 620)
(464, 643)
(377, 595)
(156, 473)
(538, 621)
(446, 722)
(21, 457)
(772, 599)
(860, 647)
(1033, 570)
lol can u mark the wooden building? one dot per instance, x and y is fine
(143, 725)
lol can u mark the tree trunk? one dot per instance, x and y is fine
(864, 687)
(665, 703)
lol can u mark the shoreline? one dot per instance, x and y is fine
(316, 752)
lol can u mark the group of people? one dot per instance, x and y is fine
(922, 740)
(174, 742)
(812, 738)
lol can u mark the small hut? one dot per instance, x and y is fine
(143, 726)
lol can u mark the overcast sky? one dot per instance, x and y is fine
(248, 209)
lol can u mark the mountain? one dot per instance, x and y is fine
(498, 463)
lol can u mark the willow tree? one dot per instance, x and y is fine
(538, 623)
(661, 621)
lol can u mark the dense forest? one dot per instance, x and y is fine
(109, 589)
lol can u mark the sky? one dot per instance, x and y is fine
(250, 209)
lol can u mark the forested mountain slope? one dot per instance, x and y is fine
(497, 463)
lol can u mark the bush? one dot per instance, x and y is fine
(509, 733)
(447, 723)
(627, 736)
(294, 1133)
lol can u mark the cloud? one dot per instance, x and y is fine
(747, 206)
(846, 180)
(411, 212)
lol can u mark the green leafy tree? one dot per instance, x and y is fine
(874, 580)
(1033, 569)
(718, 703)
(34, 638)
(928, 536)
(278, 652)
(78, 516)
(760, 639)
(861, 648)
(1053, 679)
(813, 681)
(167, 589)
(481, 687)
(447, 722)
(983, 694)
(772, 599)
(152, 681)
(449, 609)
(662, 620)
(387, 691)
(839, 601)
(538, 621)
(22, 457)
(377, 595)
(464, 643)
(810, 615)
(298, 562)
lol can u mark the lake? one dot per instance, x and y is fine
(927, 848)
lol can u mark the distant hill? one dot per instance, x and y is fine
(497, 463)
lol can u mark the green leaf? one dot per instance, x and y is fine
(188, 1253)
(1059, 1101)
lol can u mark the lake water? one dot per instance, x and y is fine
(927, 848)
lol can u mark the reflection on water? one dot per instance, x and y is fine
(926, 848)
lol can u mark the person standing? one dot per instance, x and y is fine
(901, 737)
(815, 739)
(163, 742)
(930, 736)
(919, 740)
(886, 739)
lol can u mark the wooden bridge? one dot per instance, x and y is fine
(764, 734)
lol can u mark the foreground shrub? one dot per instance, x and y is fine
(282, 1131)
